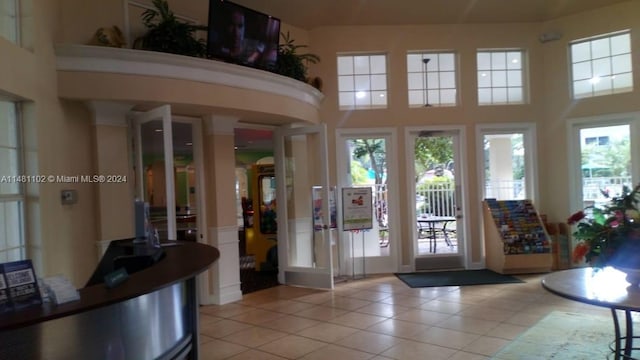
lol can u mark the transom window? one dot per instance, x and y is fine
(431, 78)
(501, 77)
(9, 20)
(12, 246)
(601, 65)
(362, 81)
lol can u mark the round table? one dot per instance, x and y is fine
(605, 287)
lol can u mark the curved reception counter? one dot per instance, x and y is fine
(153, 314)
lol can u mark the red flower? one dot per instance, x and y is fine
(580, 251)
(576, 217)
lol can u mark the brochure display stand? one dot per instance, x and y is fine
(515, 238)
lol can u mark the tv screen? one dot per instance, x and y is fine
(242, 36)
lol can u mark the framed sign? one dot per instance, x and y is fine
(357, 208)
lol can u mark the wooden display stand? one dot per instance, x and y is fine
(528, 259)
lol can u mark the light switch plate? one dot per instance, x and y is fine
(68, 197)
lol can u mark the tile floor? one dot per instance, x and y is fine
(378, 317)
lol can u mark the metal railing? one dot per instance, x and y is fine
(436, 199)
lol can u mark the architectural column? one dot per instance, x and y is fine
(115, 199)
(221, 284)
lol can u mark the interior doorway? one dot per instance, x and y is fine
(256, 209)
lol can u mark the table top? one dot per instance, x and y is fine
(605, 287)
(433, 218)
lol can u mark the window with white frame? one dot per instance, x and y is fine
(9, 20)
(601, 65)
(501, 77)
(362, 81)
(431, 78)
(12, 245)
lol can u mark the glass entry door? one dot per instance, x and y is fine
(306, 237)
(438, 208)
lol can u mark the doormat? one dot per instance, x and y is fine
(562, 336)
(455, 278)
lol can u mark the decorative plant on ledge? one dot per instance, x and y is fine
(165, 33)
(292, 64)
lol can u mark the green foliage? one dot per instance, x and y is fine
(432, 151)
(292, 64)
(358, 173)
(165, 33)
(372, 154)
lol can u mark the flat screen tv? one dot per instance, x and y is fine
(242, 36)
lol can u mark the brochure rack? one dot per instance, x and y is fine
(515, 238)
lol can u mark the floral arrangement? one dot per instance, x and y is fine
(611, 235)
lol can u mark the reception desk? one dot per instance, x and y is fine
(151, 315)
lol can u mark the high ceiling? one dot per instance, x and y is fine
(310, 14)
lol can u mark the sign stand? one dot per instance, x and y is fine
(357, 216)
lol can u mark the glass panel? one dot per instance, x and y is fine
(623, 83)
(602, 86)
(432, 65)
(379, 98)
(9, 20)
(154, 181)
(582, 71)
(305, 245)
(484, 80)
(621, 63)
(515, 95)
(514, 78)
(363, 98)
(504, 166)
(580, 52)
(185, 182)
(514, 60)
(434, 97)
(345, 83)
(620, 44)
(414, 62)
(433, 81)
(498, 60)
(602, 67)
(600, 48)
(346, 99)
(13, 223)
(415, 81)
(361, 65)
(447, 62)
(378, 64)
(582, 88)
(8, 122)
(10, 168)
(484, 61)
(4, 224)
(267, 196)
(362, 82)
(484, 96)
(448, 97)
(605, 169)
(435, 195)
(499, 95)
(416, 98)
(499, 78)
(447, 80)
(378, 82)
(368, 167)
(345, 65)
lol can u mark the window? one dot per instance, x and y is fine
(601, 65)
(362, 82)
(432, 79)
(597, 140)
(9, 20)
(501, 77)
(12, 245)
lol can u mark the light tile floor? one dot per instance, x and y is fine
(378, 317)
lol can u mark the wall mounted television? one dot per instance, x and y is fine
(243, 36)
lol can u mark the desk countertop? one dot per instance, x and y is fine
(181, 262)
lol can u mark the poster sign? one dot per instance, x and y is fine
(19, 285)
(357, 208)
